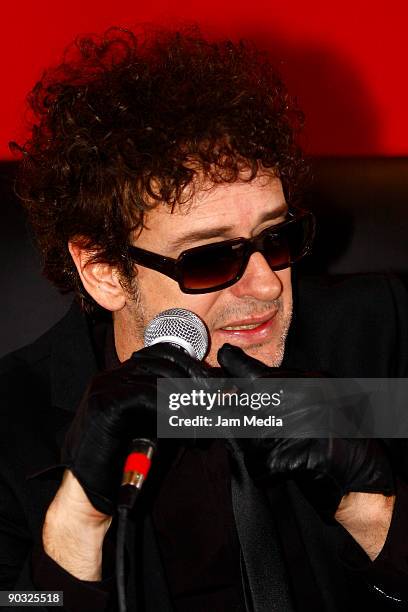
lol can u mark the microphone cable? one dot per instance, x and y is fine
(135, 472)
(123, 514)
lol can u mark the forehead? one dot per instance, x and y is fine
(239, 206)
(236, 202)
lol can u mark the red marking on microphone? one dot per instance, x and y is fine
(138, 462)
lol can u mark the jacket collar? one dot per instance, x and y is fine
(72, 365)
(73, 360)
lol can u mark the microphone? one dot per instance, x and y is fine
(185, 330)
(181, 328)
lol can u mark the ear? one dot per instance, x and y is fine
(100, 280)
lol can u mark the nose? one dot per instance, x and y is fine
(258, 281)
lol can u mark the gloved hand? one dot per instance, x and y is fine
(325, 469)
(118, 406)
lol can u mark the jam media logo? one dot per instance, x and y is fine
(249, 421)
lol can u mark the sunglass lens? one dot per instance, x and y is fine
(212, 267)
(276, 250)
(290, 244)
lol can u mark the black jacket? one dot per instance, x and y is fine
(352, 327)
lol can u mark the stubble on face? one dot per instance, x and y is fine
(138, 317)
(130, 323)
(270, 353)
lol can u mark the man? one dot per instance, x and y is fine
(165, 173)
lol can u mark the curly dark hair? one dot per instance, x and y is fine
(127, 121)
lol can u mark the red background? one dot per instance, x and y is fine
(345, 61)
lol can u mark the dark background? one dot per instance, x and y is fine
(361, 207)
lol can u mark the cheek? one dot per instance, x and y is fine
(201, 304)
(160, 293)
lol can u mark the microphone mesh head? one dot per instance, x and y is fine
(181, 327)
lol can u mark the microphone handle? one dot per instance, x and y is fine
(137, 467)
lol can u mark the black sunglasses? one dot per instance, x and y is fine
(218, 265)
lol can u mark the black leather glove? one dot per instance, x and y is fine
(325, 469)
(118, 406)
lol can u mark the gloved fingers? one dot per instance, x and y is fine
(292, 455)
(238, 364)
(155, 367)
(188, 367)
(304, 419)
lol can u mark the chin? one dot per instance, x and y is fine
(271, 355)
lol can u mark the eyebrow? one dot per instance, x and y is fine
(224, 230)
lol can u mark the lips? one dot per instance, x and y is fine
(251, 320)
(250, 330)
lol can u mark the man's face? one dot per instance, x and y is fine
(255, 312)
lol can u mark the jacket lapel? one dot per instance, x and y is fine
(73, 361)
(72, 364)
